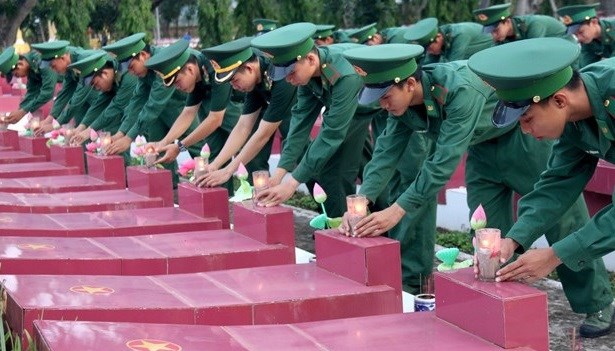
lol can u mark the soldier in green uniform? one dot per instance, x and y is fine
(267, 108)
(324, 34)
(448, 42)
(100, 70)
(264, 25)
(369, 35)
(324, 79)
(503, 27)
(552, 101)
(597, 36)
(189, 71)
(40, 86)
(73, 100)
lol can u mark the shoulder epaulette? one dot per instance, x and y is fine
(330, 73)
(439, 93)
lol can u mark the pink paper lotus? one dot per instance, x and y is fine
(91, 147)
(55, 124)
(93, 135)
(242, 172)
(140, 140)
(55, 134)
(205, 152)
(139, 151)
(479, 218)
(320, 195)
(186, 167)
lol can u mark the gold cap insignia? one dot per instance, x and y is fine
(536, 98)
(359, 71)
(566, 20)
(482, 17)
(259, 27)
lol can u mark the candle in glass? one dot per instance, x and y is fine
(34, 124)
(357, 210)
(488, 253)
(200, 167)
(150, 157)
(68, 133)
(105, 141)
(3, 124)
(260, 179)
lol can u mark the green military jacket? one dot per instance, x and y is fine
(535, 26)
(41, 84)
(213, 96)
(336, 89)
(600, 49)
(275, 99)
(456, 113)
(106, 113)
(80, 102)
(70, 83)
(394, 35)
(572, 164)
(151, 100)
(461, 40)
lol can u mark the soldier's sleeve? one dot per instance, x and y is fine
(304, 114)
(78, 104)
(283, 97)
(538, 28)
(120, 101)
(459, 44)
(388, 150)
(568, 171)
(588, 56)
(36, 96)
(97, 108)
(335, 123)
(463, 109)
(64, 95)
(139, 98)
(220, 96)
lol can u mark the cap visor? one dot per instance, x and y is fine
(224, 77)
(44, 64)
(573, 28)
(87, 81)
(489, 29)
(504, 116)
(368, 96)
(280, 72)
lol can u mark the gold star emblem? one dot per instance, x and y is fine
(566, 20)
(482, 17)
(36, 247)
(259, 27)
(152, 345)
(92, 290)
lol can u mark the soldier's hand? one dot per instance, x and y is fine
(118, 146)
(507, 249)
(43, 128)
(218, 177)
(81, 137)
(277, 194)
(532, 265)
(344, 227)
(379, 222)
(169, 153)
(15, 116)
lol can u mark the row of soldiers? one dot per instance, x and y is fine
(426, 110)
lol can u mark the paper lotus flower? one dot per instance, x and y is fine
(242, 172)
(140, 140)
(55, 124)
(55, 133)
(139, 151)
(186, 168)
(93, 135)
(205, 152)
(479, 218)
(319, 194)
(91, 147)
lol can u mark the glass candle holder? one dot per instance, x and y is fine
(69, 131)
(3, 124)
(357, 210)
(260, 179)
(488, 253)
(150, 157)
(105, 141)
(200, 167)
(35, 123)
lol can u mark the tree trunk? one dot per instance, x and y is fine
(10, 24)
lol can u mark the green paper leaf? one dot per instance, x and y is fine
(319, 222)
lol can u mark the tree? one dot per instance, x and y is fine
(171, 11)
(381, 11)
(215, 22)
(134, 16)
(247, 10)
(451, 11)
(72, 18)
(300, 11)
(411, 10)
(12, 14)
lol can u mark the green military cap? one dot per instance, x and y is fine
(423, 32)
(323, 31)
(93, 63)
(363, 34)
(286, 45)
(518, 83)
(126, 48)
(51, 50)
(8, 62)
(574, 16)
(228, 57)
(264, 25)
(491, 16)
(382, 66)
(170, 60)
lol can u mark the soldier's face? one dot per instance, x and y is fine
(137, 66)
(545, 120)
(435, 48)
(245, 79)
(376, 39)
(304, 70)
(324, 42)
(60, 64)
(103, 81)
(502, 30)
(21, 68)
(186, 78)
(397, 100)
(588, 32)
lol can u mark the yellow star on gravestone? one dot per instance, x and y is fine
(152, 345)
(36, 247)
(92, 290)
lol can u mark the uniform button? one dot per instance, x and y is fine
(432, 88)
(429, 108)
(607, 103)
(324, 65)
(581, 263)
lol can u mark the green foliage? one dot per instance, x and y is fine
(104, 15)
(247, 10)
(134, 16)
(301, 10)
(215, 22)
(451, 11)
(304, 201)
(72, 18)
(460, 240)
(381, 11)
